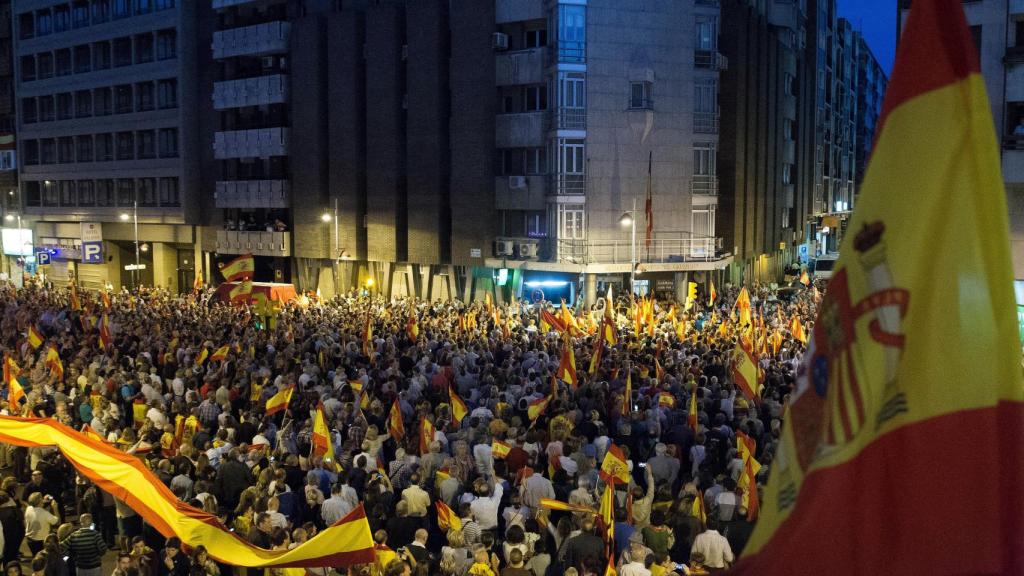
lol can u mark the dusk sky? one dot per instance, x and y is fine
(876, 19)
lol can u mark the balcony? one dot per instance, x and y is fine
(518, 10)
(569, 52)
(662, 250)
(705, 122)
(520, 67)
(257, 40)
(253, 194)
(568, 184)
(520, 192)
(257, 243)
(569, 118)
(258, 91)
(255, 143)
(222, 4)
(704, 185)
(709, 60)
(524, 130)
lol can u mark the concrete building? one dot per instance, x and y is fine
(10, 208)
(998, 30)
(871, 84)
(108, 135)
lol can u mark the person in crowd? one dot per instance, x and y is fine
(86, 546)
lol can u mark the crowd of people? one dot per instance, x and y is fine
(680, 513)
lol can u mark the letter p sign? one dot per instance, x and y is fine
(92, 252)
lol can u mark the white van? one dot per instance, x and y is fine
(823, 266)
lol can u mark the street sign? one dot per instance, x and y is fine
(92, 252)
(131, 267)
(43, 258)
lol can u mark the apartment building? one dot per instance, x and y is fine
(871, 84)
(9, 206)
(107, 135)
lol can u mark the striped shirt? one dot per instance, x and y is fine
(86, 546)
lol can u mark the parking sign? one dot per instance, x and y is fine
(92, 252)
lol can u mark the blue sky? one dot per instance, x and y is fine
(876, 19)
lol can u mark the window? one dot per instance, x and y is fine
(122, 8)
(44, 64)
(29, 112)
(572, 33)
(145, 141)
(125, 191)
(122, 51)
(704, 159)
(104, 192)
(46, 113)
(640, 96)
(84, 145)
(65, 150)
(32, 194)
(100, 11)
(31, 151)
(103, 102)
(28, 68)
(707, 34)
(125, 146)
(535, 38)
(62, 59)
(536, 161)
(703, 222)
(67, 192)
(147, 191)
(169, 192)
(83, 104)
(164, 4)
(123, 99)
(144, 97)
(86, 195)
(536, 223)
(166, 44)
(167, 94)
(143, 6)
(61, 19)
(44, 25)
(27, 25)
(65, 106)
(80, 14)
(50, 196)
(104, 147)
(143, 48)
(83, 59)
(169, 143)
(101, 55)
(535, 98)
(571, 222)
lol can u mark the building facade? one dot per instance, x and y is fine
(108, 136)
(871, 84)
(998, 30)
(10, 207)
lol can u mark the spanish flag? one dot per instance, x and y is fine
(745, 447)
(106, 337)
(567, 364)
(441, 475)
(805, 279)
(552, 504)
(412, 328)
(459, 409)
(35, 338)
(241, 268)
(368, 337)
(197, 283)
(202, 355)
(596, 354)
(106, 299)
(691, 413)
(712, 294)
(220, 354)
(53, 362)
(76, 304)
(698, 511)
(499, 449)
(744, 372)
(627, 394)
(241, 292)
(614, 467)
(447, 519)
(279, 402)
(427, 433)
(743, 305)
(915, 356)
(321, 437)
(396, 427)
(797, 329)
(611, 332)
(537, 407)
(15, 392)
(606, 511)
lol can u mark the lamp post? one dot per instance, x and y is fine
(628, 218)
(135, 218)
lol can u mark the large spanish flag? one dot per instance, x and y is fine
(241, 268)
(124, 476)
(913, 368)
(279, 401)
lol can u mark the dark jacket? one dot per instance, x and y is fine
(232, 478)
(86, 546)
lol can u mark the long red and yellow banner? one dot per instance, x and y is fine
(126, 478)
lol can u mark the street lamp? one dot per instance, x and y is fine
(135, 218)
(628, 218)
(325, 217)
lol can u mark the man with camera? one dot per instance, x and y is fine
(40, 515)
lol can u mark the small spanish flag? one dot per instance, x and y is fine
(221, 354)
(35, 338)
(446, 518)
(53, 362)
(552, 504)
(441, 475)
(459, 409)
(614, 468)
(240, 268)
(500, 449)
(396, 427)
(279, 402)
(567, 365)
(202, 355)
(805, 279)
(427, 433)
(537, 407)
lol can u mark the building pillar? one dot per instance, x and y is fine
(113, 254)
(681, 283)
(165, 266)
(589, 289)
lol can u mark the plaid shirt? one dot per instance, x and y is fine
(208, 412)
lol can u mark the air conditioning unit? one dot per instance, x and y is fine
(500, 41)
(517, 182)
(528, 250)
(504, 247)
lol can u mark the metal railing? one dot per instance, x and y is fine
(569, 52)
(704, 185)
(568, 184)
(663, 250)
(710, 60)
(570, 118)
(705, 122)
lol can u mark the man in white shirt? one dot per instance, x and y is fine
(40, 515)
(485, 507)
(714, 547)
(636, 566)
(416, 498)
